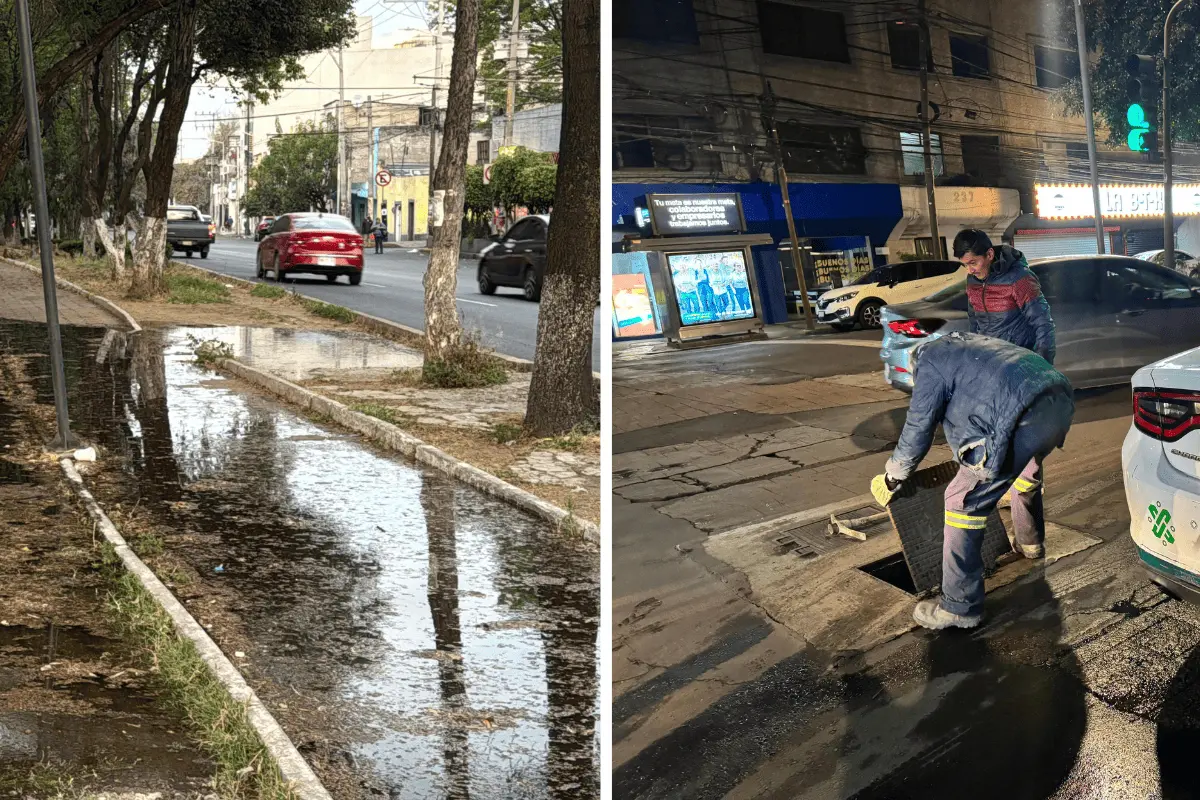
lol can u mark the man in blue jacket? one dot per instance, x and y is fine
(1001, 407)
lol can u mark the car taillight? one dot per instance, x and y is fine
(1165, 415)
(908, 327)
(212, 229)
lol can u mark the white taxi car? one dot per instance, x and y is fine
(1161, 461)
(903, 282)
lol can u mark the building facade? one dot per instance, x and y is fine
(695, 79)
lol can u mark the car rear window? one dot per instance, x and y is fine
(322, 223)
(180, 214)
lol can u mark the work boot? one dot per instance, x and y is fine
(930, 614)
(1030, 551)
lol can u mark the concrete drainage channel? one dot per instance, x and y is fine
(299, 777)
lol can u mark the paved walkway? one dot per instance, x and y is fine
(21, 301)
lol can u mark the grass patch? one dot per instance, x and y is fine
(505, 432)
(571, 442)
(41, 779)
(209, 351)
(147, 544)
(328, 310)
(243, 766)
(467, 366)
(268, 291)
(385, 413)
(194, 290)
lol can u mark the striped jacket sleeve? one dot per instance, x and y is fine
(1027, 292)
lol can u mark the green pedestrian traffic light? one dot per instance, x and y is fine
(1139, 129)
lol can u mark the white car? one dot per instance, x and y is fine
(1184, 262)
(1161, 461)
(903, 282)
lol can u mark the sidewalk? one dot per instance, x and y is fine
(24, 301)
(755, 657)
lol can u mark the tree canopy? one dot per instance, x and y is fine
(1119, 28)
(299, 172)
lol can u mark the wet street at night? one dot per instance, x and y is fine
(416, 638)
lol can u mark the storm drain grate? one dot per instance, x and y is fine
(894, 570)
(809, 541)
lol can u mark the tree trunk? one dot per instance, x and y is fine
(150, 249)
(562, 391)
(114, 244)
(443, 330)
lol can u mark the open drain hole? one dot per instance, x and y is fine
(894, 570)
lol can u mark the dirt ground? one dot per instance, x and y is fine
(242, 309)
(77, 706)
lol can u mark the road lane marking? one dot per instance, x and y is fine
(376, 285)
(475, 302)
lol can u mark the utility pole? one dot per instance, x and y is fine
(65, 440)
(510, 103)
(371, 159)
(342, 207)
(1081, 37)
(1165, 124)
(781, 173)
(433, 111)
(926, 135)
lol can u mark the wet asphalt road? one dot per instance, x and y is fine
(446, 640)
(392, 289)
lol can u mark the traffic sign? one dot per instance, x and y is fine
(383, 177)
(487, 174)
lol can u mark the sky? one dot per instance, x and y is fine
(390, 17)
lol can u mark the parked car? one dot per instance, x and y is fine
(860, 302)
(1184, 262)
(1161, 462)
(516, 259)
(188, 232)
(1112, 315)
(263, 226)
(313, 243)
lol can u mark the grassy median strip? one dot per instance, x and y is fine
(327, 310)
(194, 290)
(244, 769)
(268, 291)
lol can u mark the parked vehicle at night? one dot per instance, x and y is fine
(859, 303)
(516, 259)
(1161, 462)
(264, 225)
(312, 243)
(1112, 314)
(1184, 262)
(187, 231)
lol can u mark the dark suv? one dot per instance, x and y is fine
(517, 259)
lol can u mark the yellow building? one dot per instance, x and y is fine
(406, 199)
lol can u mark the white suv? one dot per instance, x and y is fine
(891, 284)
(1161, 461)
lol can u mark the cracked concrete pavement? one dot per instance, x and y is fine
(737, 670)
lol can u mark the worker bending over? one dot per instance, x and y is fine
(1002, 408)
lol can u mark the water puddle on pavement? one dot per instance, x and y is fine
(450, 639)
(303, 355)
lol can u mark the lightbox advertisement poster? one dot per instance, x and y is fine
(711, 287)
(632, 311)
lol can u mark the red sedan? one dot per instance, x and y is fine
(263, 226)
(313, 243)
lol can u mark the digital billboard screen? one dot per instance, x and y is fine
(711, 287)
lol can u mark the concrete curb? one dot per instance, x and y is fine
(103, 302)
(396, 439)
(292, 766)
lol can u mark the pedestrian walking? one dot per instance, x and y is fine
(1002, 407)
(380, 233)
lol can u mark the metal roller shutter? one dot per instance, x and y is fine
(1143, 239)
(1069, 244)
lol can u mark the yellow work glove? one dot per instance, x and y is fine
(883, 489)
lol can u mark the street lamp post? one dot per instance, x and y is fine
(1168, 216)
(65, 440)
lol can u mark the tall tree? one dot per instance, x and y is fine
(562, 392)
(299, 172)
(443, 331)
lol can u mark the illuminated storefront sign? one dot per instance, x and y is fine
(1074, 200)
